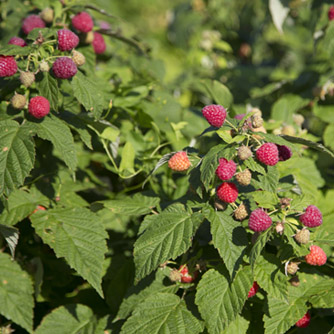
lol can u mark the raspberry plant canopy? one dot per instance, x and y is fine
(167, 168)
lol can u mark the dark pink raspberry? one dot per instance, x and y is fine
(312, 217)
(331, 13)
(227, 192)
(64, 68)
(17, 41)
(304, 321)
(215, 114)
(31, 22)
(253, 290)
(39, 106)
(259, 220)
(268, 154)
(226, 169)
(67, 40)
(83, 22)
(99, 45)
(8, 66)
(284, 152)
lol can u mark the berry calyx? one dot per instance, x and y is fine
(179, 162)
(304, 321)
(268, 154)
(39, 106)
(64, 68)
(259, 220)
(99, 45)
(227, 192)
(284, 152)
(67, 40)
(31, 22)
(279, 228)
(17, 41)
(253, 290)
(186, 277)
(226, 169)
(78, 58)
(27, 78)
(312, 217)
(302, 236)
(331, 13)
(83, 22)
(47, 15)
(18, 101)
(8, 66)
(241, 212)
(244, 178)
(244, 152)
(316, 257)
(215, 114)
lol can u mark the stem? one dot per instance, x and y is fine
(231, 125)
(109, 155)
(101, 11)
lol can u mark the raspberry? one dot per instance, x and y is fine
(67, 40)
(257, 112)
(292, 268)
(316, 257)
(241, 212)
(284, 202)
(239, 117)
(98, 43)
(18, 101)
(44, 66)
(253, 290)
(47, 15)
(8, 66)
(257, 121)
(82, 22)
(299, 119)
(39, 106)
(185, 276)
(64, 68)
(268, 154)
(331, 13)
(31, 22)
(17, 41)
(244, 178)
(303, 236)
(226, 169)
(175, 276)
(304, 321)
(244, 152)
(279, 228)
(284, 152)
(312, 217)
(179, 162)
(27, 78)
(227, 192)
(259, 220)
(78, 58)
(214, 114)
(288, 130)
(294, 281)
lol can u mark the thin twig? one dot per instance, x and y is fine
(101, 11)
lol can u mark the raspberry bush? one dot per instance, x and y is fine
(169, 171)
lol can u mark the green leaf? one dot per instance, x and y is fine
(328, 39)
(14, 50)
(229, 238)
(16, 293)
(265, 199)
(329, 136)
(11, 235)
(169, 237)
(259, 245)
(128, 157)
(284, 108)
(162, 313)
(136, 205)
(279, 13)
(17, 155)
(237, 326)
(269, 181)
(69, 319)
(218, 92)
(214, 289)
(77, 235)
(254, 166)
(48, 87)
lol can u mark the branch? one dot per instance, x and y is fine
(101, 11)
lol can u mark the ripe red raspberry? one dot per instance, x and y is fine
(82, 22)
(39, 106)
(31, 22)
(244, 178)
(331, 13)
(304, 321)
(226, 169)
(64, 68)
(268, 154)
(67, 40)
(99, 45)
(17, 41)
(253, 290)
(227, 192)
(8, 66)
(185, 276)
(179, 162)
(284, 152)
(316, 257)
(214, 114)
(312, 217)
(259, 220)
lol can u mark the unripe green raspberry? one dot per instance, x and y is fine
(257, 121)
(292, 267)
(44, 66)
(244, 178)
(175, 276)
(18, 101)
(298, 119)
(303, 236)
(244, 152)
(241, 212)
(27, 78)
(78, 58)
(257, 112)
(279, 228)
(47, 15)
(288, 130)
